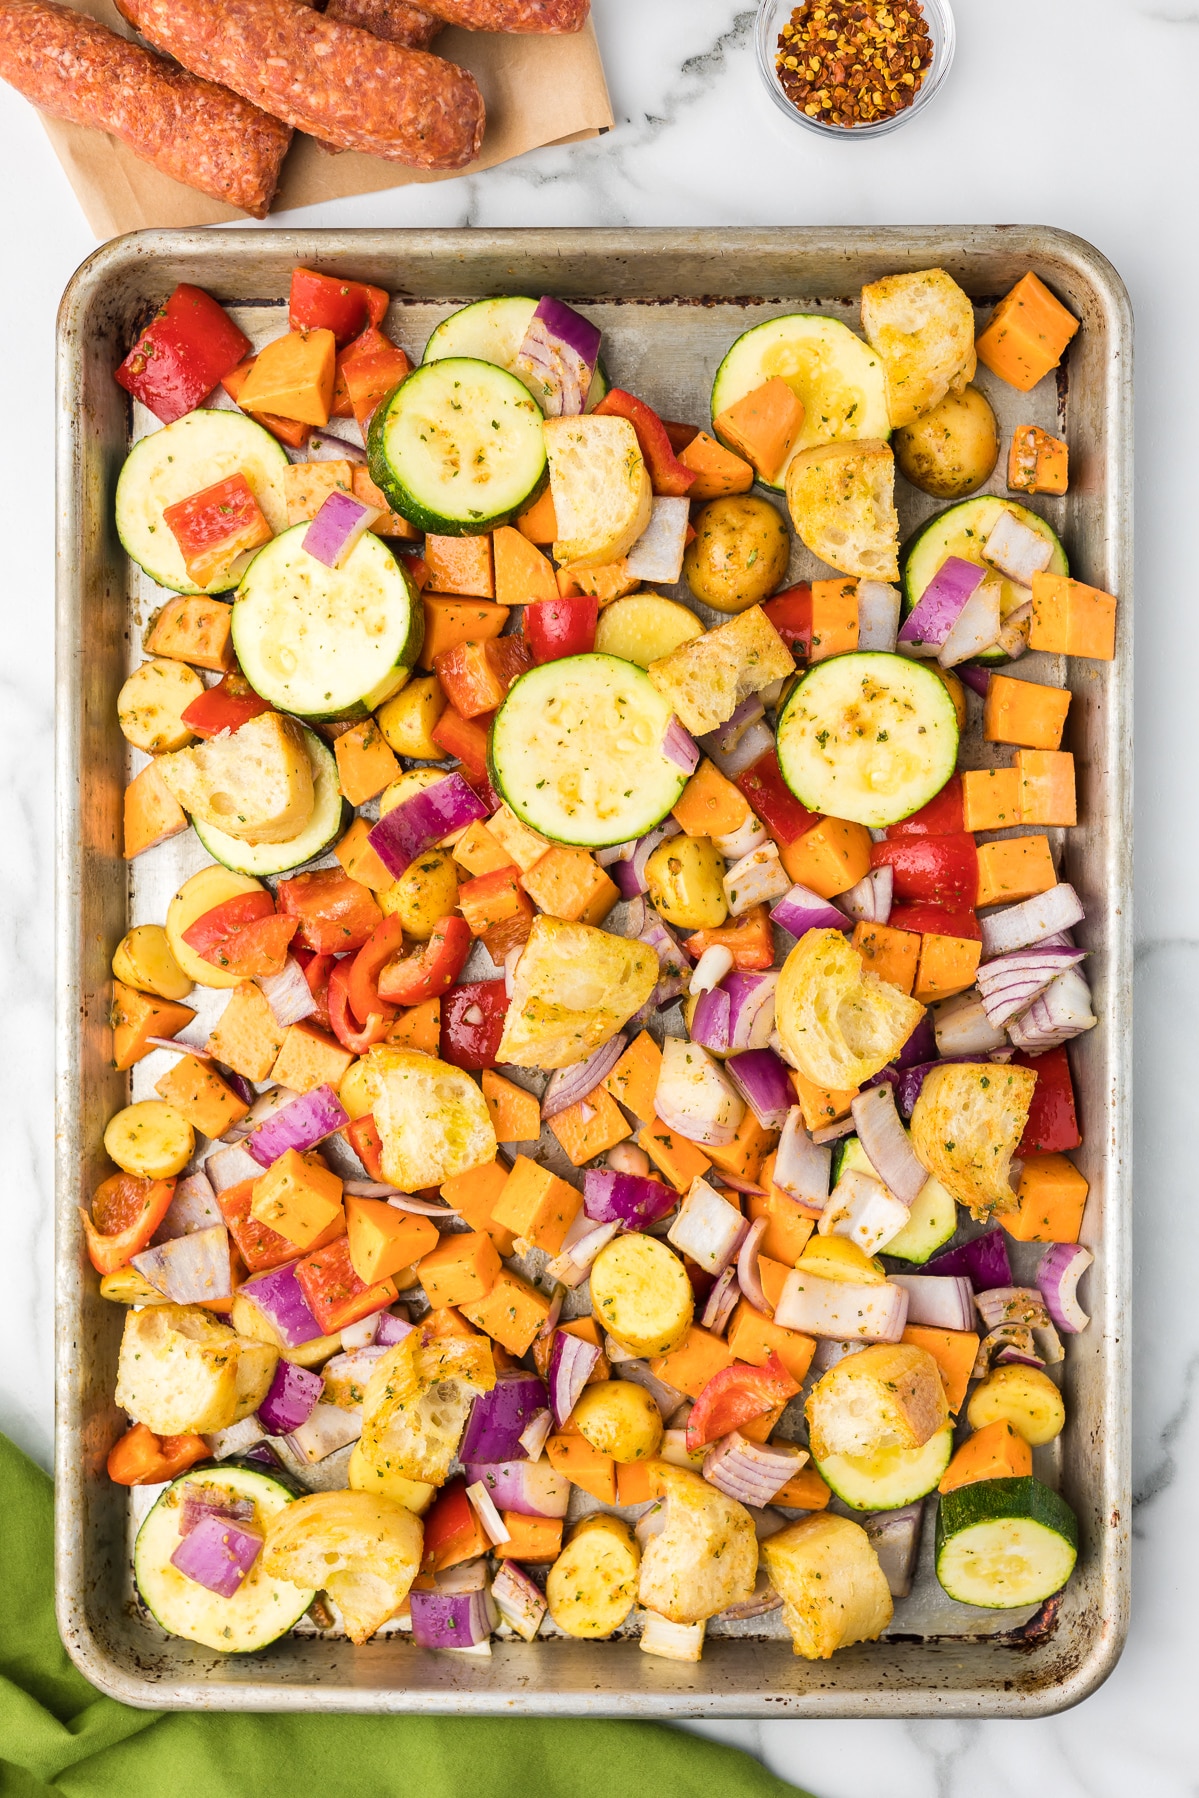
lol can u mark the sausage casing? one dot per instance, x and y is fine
(395, 20)
(548, 17)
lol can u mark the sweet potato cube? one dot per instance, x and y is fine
(821, 1105)
(1046, 783)
(710, 805)
(743, 1157)
(692, 1364)
(948, 965)
(1052, 1196)
(634, 1079)
(834, 618)
(672, 1155)
(996, 1452)
(247, 1038)
(473, 1196)
(537, 1205)
(830, 858)
(763, 426)
(135, 1016)
(418, 1027)
(449, 621)
(193, 628)
(717, 470)
(515, 1113)
(536, 1538)
(298, 1197)
(758, 1429)
(891, 954)
(479, 851)
(309, 1059)
(539, 522)
(460, 565)
(611, 580)
(201, 1096)
(459, 1269)
(392, 524)
(522, 573)
(1025, 335)
(359, 860)
(569, 883)
(773, 1275)
(591, 1127)
(1014, 868)
(953, 1351)
(384, 1241)
(1037, 462)
(287, 430)
(584, 1466)
(991, 799)
(293, 377)
(1020, 712)
(633, 1485)
(1071, 619)
(512, 1312)
(152, 814)
(365, 765)
(804, 1491)
(754, 1338)
(307, 485)
(524, 846)
(787, 1225)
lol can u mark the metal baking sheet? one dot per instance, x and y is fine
(670, 303)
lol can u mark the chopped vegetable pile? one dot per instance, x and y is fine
(642, 1040)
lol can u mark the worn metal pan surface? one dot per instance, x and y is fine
(670, 303)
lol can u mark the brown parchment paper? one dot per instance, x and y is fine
(538, 90)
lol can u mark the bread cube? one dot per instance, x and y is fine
(841, 497)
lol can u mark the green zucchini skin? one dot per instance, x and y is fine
(493, 330)
(961, 530)
(891, 1479)
(982, 1528)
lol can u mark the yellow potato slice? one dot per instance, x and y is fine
(645, 626)
(1022, 1396)
(209, 888)
(619, 1419)
(150, 1138)
(641, 1293)
(144, 960)
(593, 1583)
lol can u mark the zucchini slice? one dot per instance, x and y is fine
(576, 751)
(1005, 1543)
(962, 530)
(933, 1217)
(868, 736)
(322, 642)
(838, 377)
(492, 331)
(890, 1478)
(458, 447)
(260, 1611)
(325, 824)
(181, 459)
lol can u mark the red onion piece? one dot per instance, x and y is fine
(218, 1554)
(629, 872)
(301, 1125)
(763, 1600)
(751, 1472)
(941, 1301)
(1007, 1342)
(1016, 549)
(550, 1321)
(405, 1201)
(752, 743)
(841, 1309)
(695, 1096)
(963, 1028)
(536, 1434)
(667, 1398)
(280, 1298)
(340, 523)
(721, 1301)
(176, 1045)
(451, 1619)
(192, 1208)
(498, 1417)
(327, 1429)
(288, 994)
(761, 1079)
(977, 679)
(418, 823)
(630, 1200)
(1012, 1305)
(1031, 921)
(572, 1362)
(895, 1539)
(1061, 1268)
(710, 1020)
(293, 1396)
(679, 746)
(327, 446)
(920, 1046)
(568, 1085)
(518, 1600)
(870, 901)
(878, 618)
(211, 1501)
(931, 619)
(574, 1262)
(391, 1329)
(191, 1269)
(557, 357)
(976, 627)
(802, 1168)
(1011, 982)
(1062, 1011)
(533, 1488)
(751, 1017)
(834, 1132)
(707, 1228)
(748, 1275)
(481, 1502)
(983, 1261)
(802, 910)
(886, 1143)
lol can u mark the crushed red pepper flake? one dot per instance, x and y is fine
(853, 62)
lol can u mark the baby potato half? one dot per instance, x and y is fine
(740, 553)
(952, 449)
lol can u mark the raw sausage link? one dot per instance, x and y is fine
(74, 68)
(395, 20)
(546, 16)
(339, 83)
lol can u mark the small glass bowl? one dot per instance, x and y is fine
(774, 14)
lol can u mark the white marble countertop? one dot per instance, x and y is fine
(1076, 113)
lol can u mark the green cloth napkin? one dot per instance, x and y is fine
(59, 1735)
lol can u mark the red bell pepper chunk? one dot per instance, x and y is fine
(451, 1529)
(941, 817)
(432, 968)
(214, 928)
(126, 1211)
(772, 799)
(1052, 1125)
(215, 526)
(472, 1023)
(316, 969)
(363, 1137)
(935, 920)
(561, 627)
(260, 1247)
(185, 351)
(680, 435)
(370, 368)
(260, 948)
(790, 612)
(750, 941)
(480, 785)
(932, 870)
(336, 914)
(363, 992)
(140, 1458)
(668, 477)
(326, 303)
(336, 1296)
(345, 1027)
(734, 1396)
(476, 676)
(465, 738)
(227, 706)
